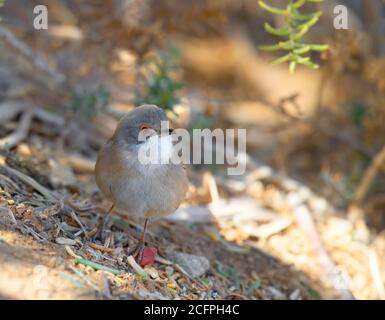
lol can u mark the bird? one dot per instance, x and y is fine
(137, 189)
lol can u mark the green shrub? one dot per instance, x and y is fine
(295, 27)
(161, 87)
(86, 105)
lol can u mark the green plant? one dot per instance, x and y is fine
(252, 286)
(295, 27)
(313, 293)
(161, 87)
(201, 121)
(1, 4)
(358, 112)
(88, 104)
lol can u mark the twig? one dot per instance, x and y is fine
(49, 117)
(200, 284)
(323, 81)
(280, 108)
(163, 261)
(32, 183)
(80, 164)
(85, 278)
(180, 269)
(123, 222)
(75, 217)
(37, 236)
(100, 248)
(267, 230)
(68, 201)
(10, 109)
(209, 180)
(368, 177)
(374, 20)
(97, 266)
(106, 286)
(31, 56)
(8, 182)
(71, 253)
(277, 107)
(20, 133)
(137, 268)
(376, 274)
(307, 225)
(10, 214)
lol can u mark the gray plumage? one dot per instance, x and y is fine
(147, 191)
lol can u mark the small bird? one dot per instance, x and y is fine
(149, 190)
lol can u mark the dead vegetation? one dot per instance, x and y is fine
(304, 222)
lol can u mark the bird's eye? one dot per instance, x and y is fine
(143, 127)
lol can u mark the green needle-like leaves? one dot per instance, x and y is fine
(295, 28)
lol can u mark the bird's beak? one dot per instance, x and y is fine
(167, 132)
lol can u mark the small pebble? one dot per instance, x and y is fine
(65, 241)
(295, 295)
(24, 150)
(152, 272)
(169, 271)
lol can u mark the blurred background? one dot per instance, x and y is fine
(306, 220)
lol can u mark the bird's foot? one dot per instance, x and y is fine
(137, 251)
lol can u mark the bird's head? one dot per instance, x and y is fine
(140, 124)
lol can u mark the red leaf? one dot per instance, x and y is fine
(148, 256)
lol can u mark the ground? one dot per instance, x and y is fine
(280, 231)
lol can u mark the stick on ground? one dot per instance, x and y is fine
(20, 133)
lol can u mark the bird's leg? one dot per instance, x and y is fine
(137, 251)
(102, 233)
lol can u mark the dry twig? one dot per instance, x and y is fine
(369, 175)
(20, 133)
(331, 132)
(32, 183)
(306, 223)
(10, 109)
(376, 274)
(36, 60)
(100, 247)
(9, 212)
(85, 278)
(137, 268)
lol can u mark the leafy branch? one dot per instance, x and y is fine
(295, 27)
